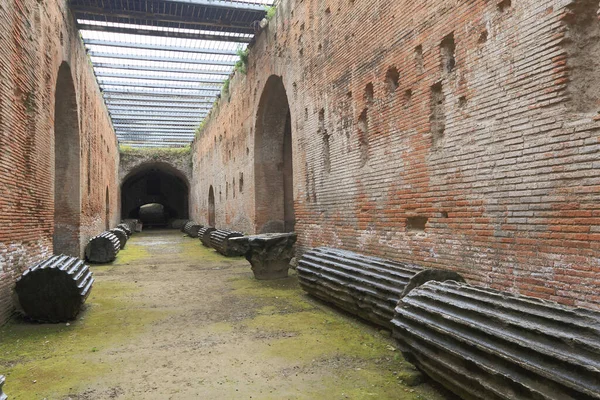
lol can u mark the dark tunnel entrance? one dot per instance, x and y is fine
(156, 194)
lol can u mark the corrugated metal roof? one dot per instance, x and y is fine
(161, 63)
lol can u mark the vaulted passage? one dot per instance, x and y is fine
(363, 152)
(67, 191)
(155, 193)
(273, 161)
(211, 207)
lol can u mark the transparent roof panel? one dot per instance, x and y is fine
(161, 64)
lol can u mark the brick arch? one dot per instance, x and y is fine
(273, 171)
(155, 182)
(67, 167)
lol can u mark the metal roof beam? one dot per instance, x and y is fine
(134, 111)
(125, 106)
(115, 96)
(156, 138)
(121, 121)
(135, 125)
(164, 33)
(173, 119)
(104, 83)
(162, 47)
(180, 60)
(231, 5)
(160, 68)
(137, 143)
(157, 78)
(162, 20)
(148, 134)
(205, 92)
(216, 5)
(150, 109)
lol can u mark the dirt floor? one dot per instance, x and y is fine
(171, 319)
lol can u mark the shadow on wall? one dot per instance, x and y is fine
(273, 161)
(155, 193)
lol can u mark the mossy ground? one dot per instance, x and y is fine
(173, 319)
(51, 360)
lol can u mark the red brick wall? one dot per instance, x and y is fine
(492, 153)
(36, 37)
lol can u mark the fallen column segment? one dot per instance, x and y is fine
(127, 228)
(366, 286)
(55, 289)
(191, 228)
(204, 235)
(219, 240)
(269, 254)
(121, 235)
(102, 248)
(484, 344)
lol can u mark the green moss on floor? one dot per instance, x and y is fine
(54, 359)
(319, 335)
(314, 336)
(214, 330)
(369, 382)
(194, 249)
(131, 253)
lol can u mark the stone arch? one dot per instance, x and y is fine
(211, 207)
(273, 161)
(67, 167)
(155, 182)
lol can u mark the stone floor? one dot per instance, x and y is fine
(173, 320)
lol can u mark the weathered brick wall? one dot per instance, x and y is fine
(445, 133)
(36, 37)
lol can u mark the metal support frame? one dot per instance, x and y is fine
(156, 128)
(149, 108)
(206, 92)
(157, 77)
(165, 33)
(161, 47)
(160, 68)
(180, 60)
(115, 96)
(156, 117)
(125, 106)
(104, 83)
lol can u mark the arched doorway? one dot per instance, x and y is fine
(107, 210)
(67, 191)
(155, 193)
(211, 207)
(273, 161)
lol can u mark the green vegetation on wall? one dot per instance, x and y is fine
(157, 153)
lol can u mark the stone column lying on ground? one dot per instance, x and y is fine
(102, 248)
(191, 229)
(183, 224)
(121, 235)
(483, 344)
(126, 228)
(269, 253)
(134, 224)
(369, 287)
(219, 240)
(55, 289)
(204, 235)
